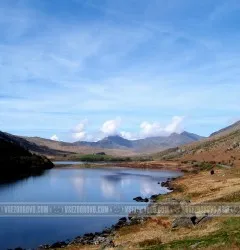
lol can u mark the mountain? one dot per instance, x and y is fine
(222, 146)
(110, 142)
(231, 128)
(142, 145)
(64, 148)
(16, 161)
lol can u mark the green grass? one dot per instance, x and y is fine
(227, 236)
(100, 158)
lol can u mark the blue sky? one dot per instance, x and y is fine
(84, 69)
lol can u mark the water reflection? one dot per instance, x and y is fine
(72, 185)
(78, 183)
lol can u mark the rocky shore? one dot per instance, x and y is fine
(105, 237)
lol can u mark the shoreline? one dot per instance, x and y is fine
(154, 165)
(104, 237)
(194, 187)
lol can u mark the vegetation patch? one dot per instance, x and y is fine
(228, 236)
(101, 158)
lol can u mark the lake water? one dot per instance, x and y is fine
(56, 163)
(72, 185)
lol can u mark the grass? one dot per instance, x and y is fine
(100, 158)
(234, 197)
(227, 237)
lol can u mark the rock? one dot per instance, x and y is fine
(212, 172)
(101, 153)
(136, 220)
(182, 222)
(43, 247)
(58, 244)
(88, 235)
(140, 199)
(98, 240)
(195, 245)
(203, 219)
(167, 184)
(194, 219)
(119, 224)
(123, 219)
(107, 231)
(108, 244)
(154, 196)
(176, 206)
(190, 221)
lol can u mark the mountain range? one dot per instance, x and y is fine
(147, 144)
(115, 145)
(179, 145)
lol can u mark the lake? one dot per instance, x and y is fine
(72, 185)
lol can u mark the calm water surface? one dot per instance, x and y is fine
(68, 162)
(72, 185)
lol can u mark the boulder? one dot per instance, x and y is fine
(140, 199)
(123, 219)
(59, 244)
(182, 222)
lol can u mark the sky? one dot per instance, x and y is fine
(85, 69)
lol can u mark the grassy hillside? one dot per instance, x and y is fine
(222, 148)
(17, 162)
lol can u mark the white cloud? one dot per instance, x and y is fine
(156, 129)
(79, 132)
(54, 138)
(175, 125)
(151, 129)
(128, 135)
(111, 127)
(79, 135)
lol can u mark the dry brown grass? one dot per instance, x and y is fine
(200, 187)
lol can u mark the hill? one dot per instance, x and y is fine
(30, 144)
(63, 148)
(222, 147)
(235, 126)
(16, 161)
